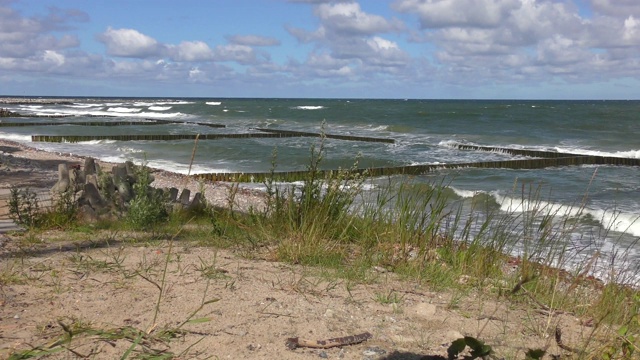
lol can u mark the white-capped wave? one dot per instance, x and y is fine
(215, 103)
(124, 109)
(308, 107)
(83, 106)
(465, 193)
(449, 143)
(632, 154)
(614, 220)
(16, 137)
(159, 108)
(96, 142)
(129, 150)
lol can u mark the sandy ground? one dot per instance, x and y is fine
(111, 285)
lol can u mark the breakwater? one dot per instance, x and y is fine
(551, 159)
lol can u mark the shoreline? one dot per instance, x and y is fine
(24, 166)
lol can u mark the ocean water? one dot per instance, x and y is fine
(605, 199)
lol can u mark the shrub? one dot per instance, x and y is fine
(24, 208)
(147, 208)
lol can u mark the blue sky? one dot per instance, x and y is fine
(526, 49)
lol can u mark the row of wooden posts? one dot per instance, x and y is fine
(539, 163)
(536, 158)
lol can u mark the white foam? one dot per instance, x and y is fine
(96, 142)
(83, 106)
(308, 107)
(633, 154)
(124, 109)
(215, 103)
(16, 137)
(465, 193)
(129, 150)
(449, 143)
(182, 168)
(159, 108)
(614, 220)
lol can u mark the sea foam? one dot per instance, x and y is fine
(124, 109)
(308, 107)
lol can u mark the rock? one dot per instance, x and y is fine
(184, 197)
(88, 214)
(63, 179)
(92, 195)
(197, 203)
(121, 181)
(173, 194)
(92, 179)
(90, 166)
(374, 351)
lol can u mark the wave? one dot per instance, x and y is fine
(308, 107)
(633, 154)
(465, 193)
(95, 142)
(159, 108)
(213, 103)
(16, 137)
(96, 112)
(124, 109)
(83, 106)
(614, 220)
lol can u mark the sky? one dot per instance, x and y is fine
(425, 49)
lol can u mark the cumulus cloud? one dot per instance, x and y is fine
(617, 8)
(350, 43)
(472, 13)
(130, 43)
(190, 51)
(22, 37)
(349, 19)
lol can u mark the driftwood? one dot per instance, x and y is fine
(293, 343)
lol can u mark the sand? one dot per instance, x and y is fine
(251, 305)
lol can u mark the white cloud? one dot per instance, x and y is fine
(53, 58)
(130, 43)
(445, 13)
(617, 8)
(190, 51)
(253, 40)
(239, 53)
(349, 19)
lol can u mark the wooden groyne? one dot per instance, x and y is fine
(85, 123)
(143, 137)
(511, 151)
(167, 137)
(187, 123)
(328, 136)
(289, 176)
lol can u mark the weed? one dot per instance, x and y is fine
(24, 207)
(147, 208)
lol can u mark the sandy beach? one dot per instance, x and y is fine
(250, 305)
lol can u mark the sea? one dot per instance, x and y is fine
(604, 199)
